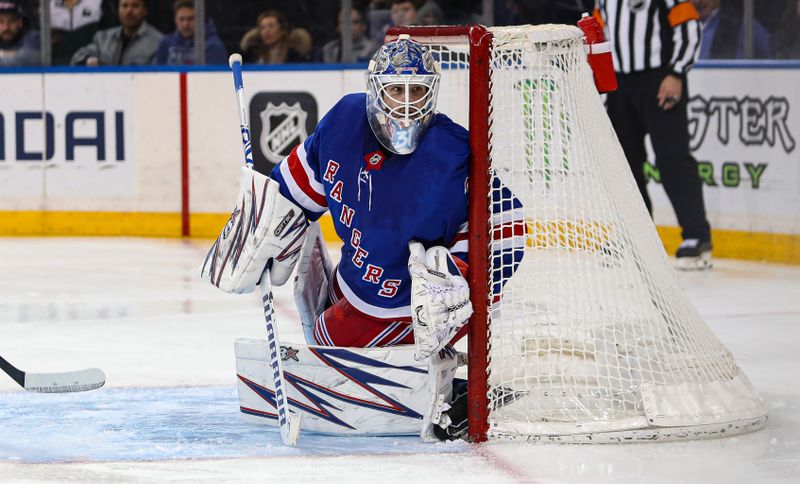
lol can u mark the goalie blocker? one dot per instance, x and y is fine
(263, 228)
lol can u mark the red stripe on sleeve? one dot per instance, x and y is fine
(301, 178)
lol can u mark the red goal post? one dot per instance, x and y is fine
(479, 39)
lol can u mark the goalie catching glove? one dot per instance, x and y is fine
(264, 226)
(440, 303)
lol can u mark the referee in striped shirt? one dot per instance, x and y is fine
(655, 42)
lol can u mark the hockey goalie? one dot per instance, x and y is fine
(379, 326)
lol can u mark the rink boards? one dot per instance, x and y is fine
(157, 152)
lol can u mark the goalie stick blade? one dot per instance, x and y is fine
(67, 382)
(290, 433)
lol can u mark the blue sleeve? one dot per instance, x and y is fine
(509, 231)
(458, 243)
(508, 237)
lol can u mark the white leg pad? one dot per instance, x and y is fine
(347, 391)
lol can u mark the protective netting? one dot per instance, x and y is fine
(591, 338)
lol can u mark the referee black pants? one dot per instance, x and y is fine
(634, 112)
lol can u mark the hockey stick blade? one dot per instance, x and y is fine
(65, 382)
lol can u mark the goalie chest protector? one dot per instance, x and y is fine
(378, 200)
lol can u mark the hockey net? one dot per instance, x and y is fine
(591, 339)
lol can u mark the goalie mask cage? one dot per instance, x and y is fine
(591, 339)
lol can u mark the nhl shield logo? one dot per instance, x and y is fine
(284, 127)
(374, 160)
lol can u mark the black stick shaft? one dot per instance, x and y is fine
(12, 371)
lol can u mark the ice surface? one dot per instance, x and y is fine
(145, 424)
(169, 412)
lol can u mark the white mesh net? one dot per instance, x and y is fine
(592, 338)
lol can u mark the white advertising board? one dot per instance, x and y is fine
(283, 108)
(745, 127)
(111, 141)
(90, 142)
(21, 181)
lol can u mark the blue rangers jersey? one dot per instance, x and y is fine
(379, 201)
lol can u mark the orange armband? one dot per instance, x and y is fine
(682, 13)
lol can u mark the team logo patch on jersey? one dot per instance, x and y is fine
(374, 160)
(636, 5)
(283, 126)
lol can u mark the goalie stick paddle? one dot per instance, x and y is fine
(64, 382)
(289, 424)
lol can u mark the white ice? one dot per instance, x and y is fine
(169, 412)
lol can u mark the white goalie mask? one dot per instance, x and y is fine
(402, 84)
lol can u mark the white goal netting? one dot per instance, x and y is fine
(591, 338)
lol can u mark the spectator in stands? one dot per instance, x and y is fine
(177, 48)
(273, 42)
(430, 14)
(363, 47)
(404, 12)
(400, 12)
(378, 19)
(134, 42)
(787, 41)
(74, 23)
(19, 46)
(723, 31)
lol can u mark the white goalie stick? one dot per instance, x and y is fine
(64, 382)
(289, 423)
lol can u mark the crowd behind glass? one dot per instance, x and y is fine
(168, 32)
